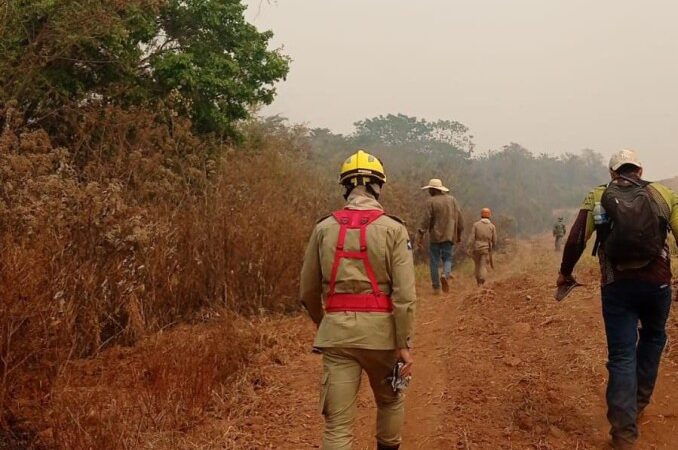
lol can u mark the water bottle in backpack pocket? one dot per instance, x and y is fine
(601, 222)
(600, 217)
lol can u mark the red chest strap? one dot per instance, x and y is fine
(376, 301)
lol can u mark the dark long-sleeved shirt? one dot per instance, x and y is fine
(657, 272)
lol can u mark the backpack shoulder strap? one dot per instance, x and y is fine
(639, 183)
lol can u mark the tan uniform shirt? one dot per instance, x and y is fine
(483, 236)
(390, 255)
(443, 219)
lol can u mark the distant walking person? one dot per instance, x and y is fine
(481, 242)
(631, 218)
(444, 224)
(359, 260)
(559, 232)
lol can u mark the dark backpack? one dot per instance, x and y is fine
(637, 231)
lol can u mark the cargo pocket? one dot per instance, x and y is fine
(324, 387)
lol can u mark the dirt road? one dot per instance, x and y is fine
(504, 367)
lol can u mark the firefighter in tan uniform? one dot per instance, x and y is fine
(481, 242)
(357, 283)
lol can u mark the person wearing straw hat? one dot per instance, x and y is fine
(444, 224)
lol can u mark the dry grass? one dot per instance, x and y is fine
(134, 228)
(162, 388)
(111, 245)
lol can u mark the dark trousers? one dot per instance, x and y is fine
(633, 352)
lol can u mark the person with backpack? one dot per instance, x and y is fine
(631, 219)
(357, 283)
(559, 232)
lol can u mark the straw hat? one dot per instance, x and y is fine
(435, 183)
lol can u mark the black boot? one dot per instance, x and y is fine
(387, 447)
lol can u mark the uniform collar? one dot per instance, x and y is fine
(360, 199)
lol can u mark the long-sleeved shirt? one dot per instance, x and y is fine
(656, 272)
(483, 236)
(442, 219)
(390, 255)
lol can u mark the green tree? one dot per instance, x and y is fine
(422, 135)
(199, 58)
(523, 189)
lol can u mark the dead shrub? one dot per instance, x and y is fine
(133, 227)
(162, 387)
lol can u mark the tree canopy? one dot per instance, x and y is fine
(524, 188)
(198, 58)
(420, 134)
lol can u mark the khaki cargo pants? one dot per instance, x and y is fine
(342, 370)
(481, 259)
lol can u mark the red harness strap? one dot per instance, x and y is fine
(377, 301)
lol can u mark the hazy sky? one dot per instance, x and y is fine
(552, 75)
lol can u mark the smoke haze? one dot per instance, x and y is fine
(554, 76)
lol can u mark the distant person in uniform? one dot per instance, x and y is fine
(444, 224)
(359, 261)
(559, 232)
(631, 218)
(481, 242)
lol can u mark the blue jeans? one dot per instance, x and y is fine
(633, 353)
(438, 251)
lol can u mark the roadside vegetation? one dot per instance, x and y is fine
(148, 222)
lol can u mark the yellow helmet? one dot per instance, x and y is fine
(361, 168)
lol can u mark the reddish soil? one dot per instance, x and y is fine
(505, 367)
